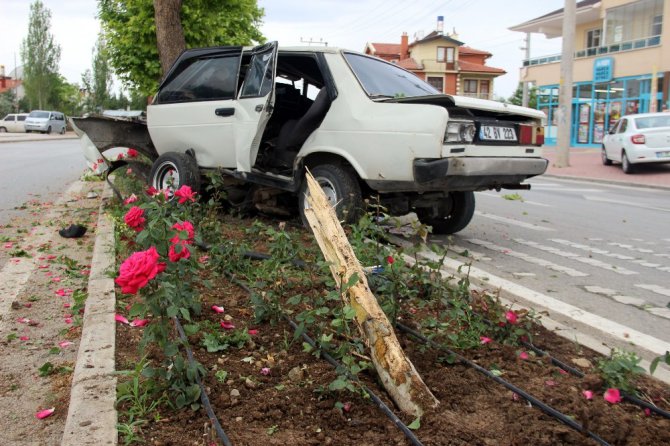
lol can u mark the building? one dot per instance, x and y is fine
(621, 65)
(443, 61)
(10, 82)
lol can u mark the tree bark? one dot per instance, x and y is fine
(169, 32)
(397, 373)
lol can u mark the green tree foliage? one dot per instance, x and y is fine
(130, 31)
(517, 96)
(98, 81)
(7, 100)
(40, 56)
(67, 97)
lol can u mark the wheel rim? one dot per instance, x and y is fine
(328, 189)
(166, 177)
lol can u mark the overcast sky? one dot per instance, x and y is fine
(481, 24)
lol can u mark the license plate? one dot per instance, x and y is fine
(495, 133)
(662, 154)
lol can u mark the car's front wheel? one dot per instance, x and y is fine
(3, 130)
(603, 154)
(340, 185)
(48, 132)
(626, 165)
(62, 131)
(450, 215)
(172, 170)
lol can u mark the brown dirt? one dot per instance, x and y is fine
(287, 407)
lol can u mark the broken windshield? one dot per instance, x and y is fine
(381, 79)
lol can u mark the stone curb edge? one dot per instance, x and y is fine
(92, 416)
(604, 181)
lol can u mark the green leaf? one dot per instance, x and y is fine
(416, 424)
(46, 369)
(338, 384)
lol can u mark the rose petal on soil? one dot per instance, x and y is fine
(612, 396)
(66, 305)
(265, 371)
(42, 414)
(647, 411)
(23, 320)
(252, 331)
(24, 338)
(63, 344)
(68, 320)
(484, 340)
(9, 245)
(139, 322)
(562, 372)
(217, 309)
(43, 266)
(55, 279)
(587, 394)
(122, 319)
(227, 325)
(346, 406)
(550, 383)
(523, 355)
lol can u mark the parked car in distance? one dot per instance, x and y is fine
(638, 139)
(45, 122)
(14, 123)
(363, 127)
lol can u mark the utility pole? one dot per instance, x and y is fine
(565, 86)
(524, 72)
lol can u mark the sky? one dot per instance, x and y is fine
(480, 24)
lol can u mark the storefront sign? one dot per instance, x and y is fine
(603, 69)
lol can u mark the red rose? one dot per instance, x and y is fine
(151, 191)
(390, 260)
(185, 226)
(511, 317)
(134, 218)
(185, 193)
(138, 269)
(132, 199)
(132, 153)
(179, 251)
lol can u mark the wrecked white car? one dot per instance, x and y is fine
(362, 126)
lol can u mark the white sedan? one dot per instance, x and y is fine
(638, 139)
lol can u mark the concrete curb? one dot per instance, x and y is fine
(35, 137)
(604, 181)
(572, 323)
(92, 416)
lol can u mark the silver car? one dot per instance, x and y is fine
(45, 122)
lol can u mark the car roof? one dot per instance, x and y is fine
(646, 115)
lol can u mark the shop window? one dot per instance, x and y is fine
(616, 90)
(593, 38)
(633, 88)
(436, 82)
(585, 91)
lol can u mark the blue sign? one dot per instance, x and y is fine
(603, 69)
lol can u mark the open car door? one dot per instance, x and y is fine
(256, 102)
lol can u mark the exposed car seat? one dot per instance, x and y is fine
(294, 132)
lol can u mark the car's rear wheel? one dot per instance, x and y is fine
(3, 130)
(172, 170)
(626, 165)
(340, 185)
(62, 131)
(603, 154)
(451, 215)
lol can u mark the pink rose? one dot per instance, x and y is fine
(132, 199)
(179, 251)
(134, 218)
(185, 193)
(185, 226)
(511, 317)
(138, 269)
(132, 153)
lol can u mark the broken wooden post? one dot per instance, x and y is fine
(397, 373)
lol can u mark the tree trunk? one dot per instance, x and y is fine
(397, 373)
(169, 33)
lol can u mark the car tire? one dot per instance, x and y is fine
(62, 131)
(341, 186)
(48, 132)
(3, 130)
(626, 165)
(172, 170)
(603, 154)
(452, 216)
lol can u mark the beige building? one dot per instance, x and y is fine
(621, 65)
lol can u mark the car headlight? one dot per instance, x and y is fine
(460, 132)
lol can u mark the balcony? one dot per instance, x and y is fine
(476, 95)
(614, 48)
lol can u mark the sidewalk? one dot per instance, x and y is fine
(26, 137)
(586, 164)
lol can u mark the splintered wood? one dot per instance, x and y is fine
(397, 373)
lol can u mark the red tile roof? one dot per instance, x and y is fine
(386, 48)
(477, 68)
(409, 64)
(468, 50)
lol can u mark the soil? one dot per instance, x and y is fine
(291, 404)
(42, 311)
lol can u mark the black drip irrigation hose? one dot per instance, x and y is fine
(113, 166)
(534, 401)
(626, 396)
(332, 361)
(203, 394)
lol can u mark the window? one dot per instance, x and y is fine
(441, 54)
(450, 55)
(436, 82)
(633, 21)
(484, 88)
(21, 118)
(593, 38)
(657, 25)
(258, 81)
(622, 126)
(202, 79)
(470, 86)
(9, 118)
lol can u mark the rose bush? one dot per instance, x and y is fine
(138, 269)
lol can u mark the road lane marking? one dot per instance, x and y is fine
(625, 203)
(591, 249)
(513, 222)
(577, 257)
(528, 258)
(654, 289)
(614, 295)
(604, 252)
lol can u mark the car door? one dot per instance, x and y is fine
(620, 139)
(609, 140)
(197, 108)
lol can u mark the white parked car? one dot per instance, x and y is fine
(638, 139)
(46, 122)
(363, 127)
(14, 123)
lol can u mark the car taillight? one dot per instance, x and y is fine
(637, 139)
(530, 134)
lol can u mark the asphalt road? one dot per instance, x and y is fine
(36, 170)
(603, 248)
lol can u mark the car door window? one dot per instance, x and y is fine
(622, 126)
(258, 81)
(21, 118)
(208, 79)
(9, 118)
